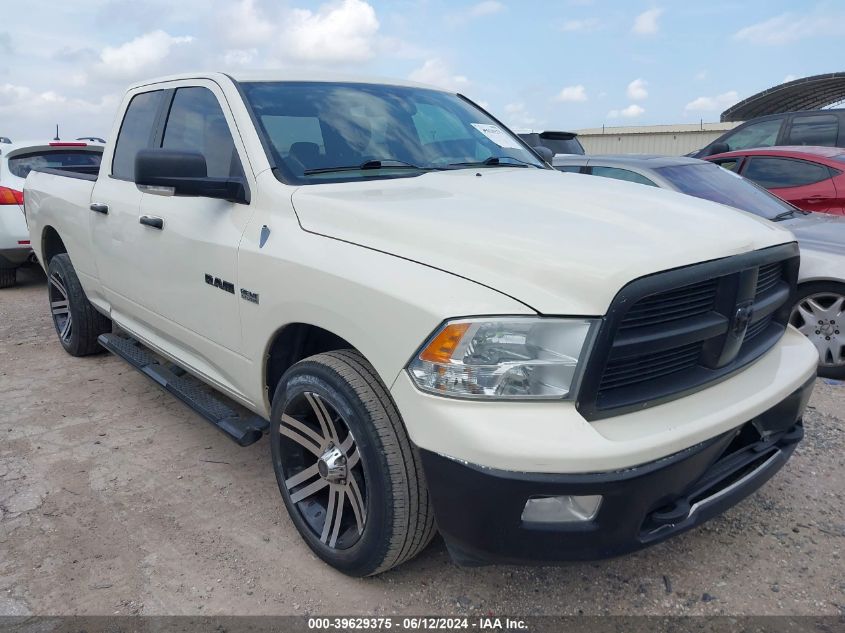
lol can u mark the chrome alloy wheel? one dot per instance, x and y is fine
(60, 307)
(821, 317)
(323, 472)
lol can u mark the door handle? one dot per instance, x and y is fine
(152, 221)
(99, 207)
(817, 199)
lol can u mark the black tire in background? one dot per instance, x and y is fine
(819, 313)
(335, 404)
(7, 277)
(76, 321)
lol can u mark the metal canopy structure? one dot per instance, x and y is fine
(808, 93)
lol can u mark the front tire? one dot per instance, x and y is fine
(76, 321)
(8, 276)
(819, 314)
(349, 477)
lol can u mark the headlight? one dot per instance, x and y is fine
(503, 358)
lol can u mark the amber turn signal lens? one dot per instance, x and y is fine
(443, 346)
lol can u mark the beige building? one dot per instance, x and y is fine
(672, 140)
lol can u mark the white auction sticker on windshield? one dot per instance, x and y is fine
(497, 135)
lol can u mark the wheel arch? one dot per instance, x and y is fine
(294, 342)
(815, 280)
(51, 245)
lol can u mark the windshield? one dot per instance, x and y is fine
(319, 132)
(712, 182)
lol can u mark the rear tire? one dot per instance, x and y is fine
(338, 442)
(8, 276)
(819, 314)
(76, 321)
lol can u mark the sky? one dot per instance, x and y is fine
(541, 64)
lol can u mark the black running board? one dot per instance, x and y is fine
(243, 429)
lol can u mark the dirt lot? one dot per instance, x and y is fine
(115, 498)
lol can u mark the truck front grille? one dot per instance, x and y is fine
(675, 332)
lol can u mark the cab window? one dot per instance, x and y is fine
(196, 124)
(760, 134)
(818, 129)
(136, 133)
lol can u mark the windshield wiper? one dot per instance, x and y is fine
(788, 214)
(382, 163)
(496, 161)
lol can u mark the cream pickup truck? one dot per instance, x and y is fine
(436, 330)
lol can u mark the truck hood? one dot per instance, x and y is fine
(818, 231)
(560, 243)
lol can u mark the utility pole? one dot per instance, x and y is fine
(57, 133)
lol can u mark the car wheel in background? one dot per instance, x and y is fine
(349, 477)
(819, 314)
(77, 323)
(7, 277)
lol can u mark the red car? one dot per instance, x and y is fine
(811, 178)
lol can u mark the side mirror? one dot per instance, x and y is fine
(186, 173)
(545, 153)
(716, 148)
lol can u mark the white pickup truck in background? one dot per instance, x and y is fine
(435, 328)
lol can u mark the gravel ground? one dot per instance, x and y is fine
(116, 499)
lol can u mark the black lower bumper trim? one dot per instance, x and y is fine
(479, 510)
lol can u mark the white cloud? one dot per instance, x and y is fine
(244, 25)
(488, 7)
(701, 75)
(790, 77)
(646, 22)
(637, 90)
(478, 10)
(587, 24)
(516, 116)
(572, 93)
(340, 32)
(240, 57)
(437, 73)
(789, 27)
(709, 104)
(631, 112)
(35, 112)
(141, 55)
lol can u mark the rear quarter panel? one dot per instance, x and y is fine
(62, 203)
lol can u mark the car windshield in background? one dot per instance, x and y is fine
(318, 131)
(712, 182)
(22, 164)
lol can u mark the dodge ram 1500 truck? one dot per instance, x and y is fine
(435, 328)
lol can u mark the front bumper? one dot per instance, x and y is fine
(479, 509)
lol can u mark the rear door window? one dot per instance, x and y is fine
(621, 174)
(760, 134)
(817, 129)
(771, 172)
(81, 160)
(136, 133)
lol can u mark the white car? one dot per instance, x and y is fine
(435, 328)
(16, 161)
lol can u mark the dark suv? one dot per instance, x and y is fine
(806, 127)
(558, 142)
